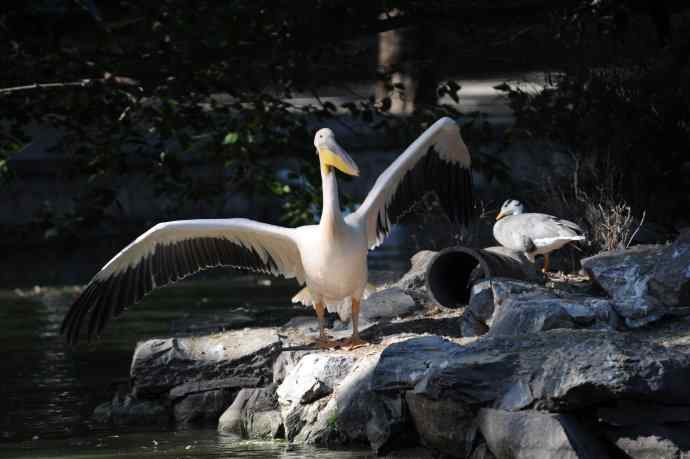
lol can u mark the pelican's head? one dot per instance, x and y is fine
(510, 207)
(331, 154)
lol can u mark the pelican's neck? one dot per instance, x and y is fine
(331, 217)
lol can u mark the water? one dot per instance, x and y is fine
(49, 390)
(183, 444)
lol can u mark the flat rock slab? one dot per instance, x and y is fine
(194, 387)
(387, 304)
(158, 365)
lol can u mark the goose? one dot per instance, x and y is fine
(329, 258)
(532, 233)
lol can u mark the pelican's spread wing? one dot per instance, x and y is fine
(437, 161)
(173, 250)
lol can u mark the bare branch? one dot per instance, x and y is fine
(83, 83)
(644, 214)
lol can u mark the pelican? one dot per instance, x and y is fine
(532, 233)
(329, 258)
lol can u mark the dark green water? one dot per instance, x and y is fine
(48, 390)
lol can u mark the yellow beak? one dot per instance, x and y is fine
(342, 162)
(500, 216)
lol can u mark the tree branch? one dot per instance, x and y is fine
(83, 83)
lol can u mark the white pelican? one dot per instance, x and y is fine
(533, 234)
(330, 258)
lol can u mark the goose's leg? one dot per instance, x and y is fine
(546, 263)
(355, 341)
(324, 341)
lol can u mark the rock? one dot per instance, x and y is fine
(230, 422)
(635, 412)
(327, 400)
(402, 365)
(645, 283)
(254, 414)
(517, 317)
(482, 451)
(285, 362)
(482, 300)
(444, 324)
(304, 324)
(579, 312)
(204, 407)
(297, 394)
(555, 370)
(506, 289)
(652, 441)
(670, 280)
(415, 278)
(508, 306)
(387, 304)
(161, 364)
(443, 425)
(125, 409)
(355, 415)
(531, 434)
(214, 384)
(471, 326)
(522, 307)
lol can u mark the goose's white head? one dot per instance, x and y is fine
(333, 155)
(510, 207)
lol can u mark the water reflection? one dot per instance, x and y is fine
(50, 389)
(185, 444)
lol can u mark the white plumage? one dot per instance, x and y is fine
(330, 258)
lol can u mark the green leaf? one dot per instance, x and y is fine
(231, 138)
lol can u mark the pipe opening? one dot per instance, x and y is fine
(452, 272)
(448, 277)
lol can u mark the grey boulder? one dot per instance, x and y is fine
(202, 408)
(301, 392)
(387, 304)
(253, 414)
(535, 435)
(647, 282)
(501, 306)
(652, 441)
(415, 278)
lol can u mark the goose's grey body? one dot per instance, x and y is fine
(533, 233)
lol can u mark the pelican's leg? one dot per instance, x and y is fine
(546, 263)
(323, 340)
(355, 341)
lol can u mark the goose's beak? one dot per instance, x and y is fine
(333, 155)
(500, 216)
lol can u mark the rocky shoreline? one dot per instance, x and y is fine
(595, 365)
